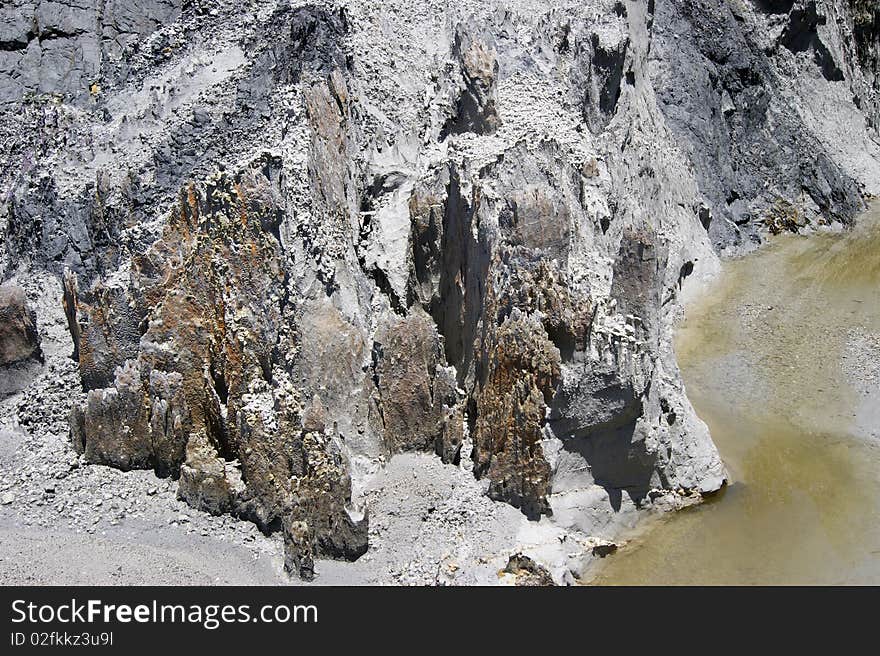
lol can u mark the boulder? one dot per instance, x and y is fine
(19, 339)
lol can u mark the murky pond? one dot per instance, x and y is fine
(781, 358)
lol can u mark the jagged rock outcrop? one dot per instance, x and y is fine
(201, 384)
(522, 371)
(207, 480)
(299, 239)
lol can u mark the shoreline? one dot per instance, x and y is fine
(814, 454)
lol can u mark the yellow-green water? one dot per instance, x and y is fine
(761, 353)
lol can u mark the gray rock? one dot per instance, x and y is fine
(19, 339)
(527, 572)
(298, 242)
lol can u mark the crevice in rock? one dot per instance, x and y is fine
(14, 46)
(458, 305)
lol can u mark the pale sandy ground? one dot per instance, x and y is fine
(129, 554)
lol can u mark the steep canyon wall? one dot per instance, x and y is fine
(298, 238)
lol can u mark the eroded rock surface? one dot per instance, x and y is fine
(298, 240)
(20, 354)
(19, 339)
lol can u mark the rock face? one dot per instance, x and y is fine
(70, 47)
(202, 363)
(527, 572)
(866, 39)
(19, 339)
(475, 108)
(728, 113)
(416, 394)
(297, 240)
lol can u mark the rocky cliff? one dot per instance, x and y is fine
(299, 239)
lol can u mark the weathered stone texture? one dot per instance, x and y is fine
(522, 371)
(203, 392)
(19, 339)
(417, 396)
(297, 240)
(65, 47)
